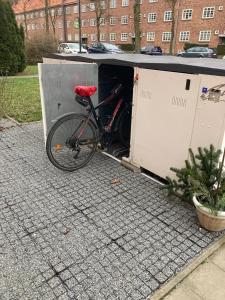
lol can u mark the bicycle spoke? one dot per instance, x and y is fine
(64, 149)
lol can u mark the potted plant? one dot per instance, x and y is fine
(202, 181)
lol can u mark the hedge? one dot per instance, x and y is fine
(221, 50)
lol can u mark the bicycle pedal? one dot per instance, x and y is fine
(100, 147)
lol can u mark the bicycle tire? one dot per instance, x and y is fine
(124, 127)
(59, 151)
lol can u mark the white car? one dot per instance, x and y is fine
(224, 57)
(70, 48)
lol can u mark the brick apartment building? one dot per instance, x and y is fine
(197, 21)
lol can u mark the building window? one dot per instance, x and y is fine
(168, 15)
(102, 37)
(83, 8)
(36, 14)
(208, 12)
(69, 37)
(53, 12)
(33, 26)
(112, 4)
(125, 3)
(68, 10)
(59, 11)
(92, 22)
(124, 20)
(112, 37)
(83, 23)
(60, 24)
(112, 21)
(150, 36)
(76, 23)
(92, 6)
(184, 36)
(75, 9)
(42, 13)
(152, 1)
(93, 37)
(187, 14)
(151, 17)
(102, 4)
(102, 21)
(28, 27)
(76, 37)
(124, 37)
(204, 36)
(68, 24)
(166, 36)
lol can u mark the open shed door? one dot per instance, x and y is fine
(162, 120)
(57, 82)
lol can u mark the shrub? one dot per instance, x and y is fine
(38, 46)
(221, 50)
(12, 57)
(126, 47)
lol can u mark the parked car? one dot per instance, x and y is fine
(198, 52)
(151, 50)
(104, 48)
(70, 48)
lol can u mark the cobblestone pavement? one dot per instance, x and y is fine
(78, 236)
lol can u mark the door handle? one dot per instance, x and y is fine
(188, 84)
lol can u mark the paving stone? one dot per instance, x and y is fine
(77, 236)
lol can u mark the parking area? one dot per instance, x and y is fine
(101, 232)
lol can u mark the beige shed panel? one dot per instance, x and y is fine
(163, 116)
(209, 124)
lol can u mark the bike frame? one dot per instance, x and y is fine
(92, 111)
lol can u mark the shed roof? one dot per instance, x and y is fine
(208, 66)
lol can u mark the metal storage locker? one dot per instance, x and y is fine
(163, 115)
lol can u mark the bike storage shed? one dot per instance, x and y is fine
(177, 103)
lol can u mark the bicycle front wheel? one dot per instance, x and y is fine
(71, 142)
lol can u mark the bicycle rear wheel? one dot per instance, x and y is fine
(71, 142)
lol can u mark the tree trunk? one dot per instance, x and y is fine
(46, 17)
(25, 23)
(137, 29)
(172, 30)
(98, 30)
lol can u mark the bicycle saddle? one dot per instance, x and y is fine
(85, 91)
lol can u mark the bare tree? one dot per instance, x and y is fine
(46, 8)
(101, 14)
(172, 5)
(53, 14)
(137, 27)
(24, 3)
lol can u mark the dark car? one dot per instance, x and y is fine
(151, 50)
(198, 52)
(104, 48)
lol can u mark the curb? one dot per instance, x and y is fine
(167, 287)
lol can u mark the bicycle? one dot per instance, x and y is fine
(74, 138)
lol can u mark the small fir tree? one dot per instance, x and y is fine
(12, 55)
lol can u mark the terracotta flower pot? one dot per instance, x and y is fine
(208, 220)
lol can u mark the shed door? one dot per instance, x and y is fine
(57, 82)
(163, 115)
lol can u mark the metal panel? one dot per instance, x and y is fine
(57, 82)
(163, 116)
(209, 125)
